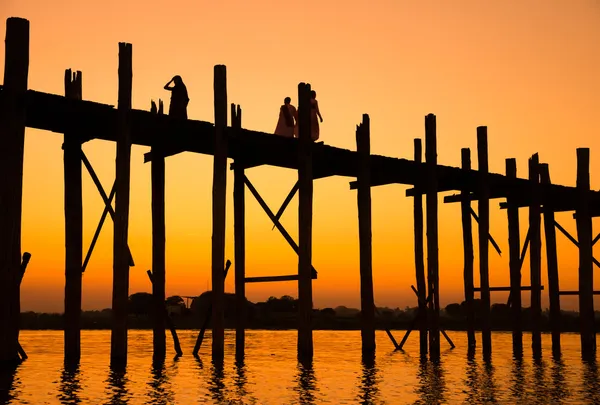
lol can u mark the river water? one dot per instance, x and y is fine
(270, 373)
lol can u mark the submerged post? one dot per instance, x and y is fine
(157, 175)
(535, 257)
(552, 259)
(467, 231)
(120, 296)
(419, 257)
(586, 270)
(431, 200)
(73, 229)
(514, 248)
(367, 303)
(239, 224)
(12, 139)
(219, 198)
(305, 209)
(484, 231)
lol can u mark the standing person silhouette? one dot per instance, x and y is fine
(179, 98)
(287, 115)
(314, 113)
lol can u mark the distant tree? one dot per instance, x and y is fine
(140, 303)
(328, 312)
(454, 310)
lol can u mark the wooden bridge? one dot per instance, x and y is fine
(81, 121)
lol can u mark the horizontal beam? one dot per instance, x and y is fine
(507, 289)
(574, 293)
(56, 113)
(268, 279)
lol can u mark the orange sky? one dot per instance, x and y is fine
(528, 69)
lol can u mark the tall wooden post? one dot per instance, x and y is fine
(367, 303)
(12, 141)
(432, 234)
(118, 349)
(535, 257)
(467, 230)
(586, 274)
(157, 174)
(239, 223)
(484, 231)
(305, 190)
(552, 259)
(73, 230)
(514, 247)
(419, 256)
(219, 198)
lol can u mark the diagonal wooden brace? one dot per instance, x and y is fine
(490, 237)
(521, 260)
(286, 202)
(572, 239)
(168, 321)
(24, 263)
(107, 209)
(414, 321)
(270, 214)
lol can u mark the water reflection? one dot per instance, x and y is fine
(306, 383)
(559, 390)
(591, 385)
(160, 391)
(368, 381)
(482, 388)
(117, 385)
(9, 385)
(517, 388)
(432, 386)
(216, 384)
(70, 385)
(541, 389)
(240, 378)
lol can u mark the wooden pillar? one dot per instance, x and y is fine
(514, 247)
(73, 230)
(552, 259)
(12, 141)
(118, 349)
(467, 230)
(239, 223)
(367, 302)
(535, 257)
(157, 175)
(419, 256)
(586, 274)
(431, 201)
(305, 190)
(219, 199)
(484, 231)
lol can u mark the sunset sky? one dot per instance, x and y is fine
(528, 69)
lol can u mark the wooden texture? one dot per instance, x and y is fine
(157, 176)
(514, 253)
(586, 270)
(73, 201)
(218, 212)
(12, 139)
(162, 312)
(431, 201)
(483, 237)
(239, 224)
(120, 295)
(419, 259)
(468, 255)
(305, 218)
(367, 303)
(535, 257)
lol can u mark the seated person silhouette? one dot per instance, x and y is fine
(179, 98)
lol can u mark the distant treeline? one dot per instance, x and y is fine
(280, 313)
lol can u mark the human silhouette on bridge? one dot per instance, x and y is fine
(314, 113)
(288, 119)
(179, 98)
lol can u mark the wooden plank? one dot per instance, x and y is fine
(367, 303)
(509, 289)
(535, 258)
(514, 248)
(218, 212)
(120, 296)
(484, 230)
(305, 218)
(431, 201)
(12, 140)
(468, 255)
(586, 271)
(552, 261)
(270, 279)
(576, 292)
(73, 201)
(239, 224)
(157, 177)
(419, 259)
